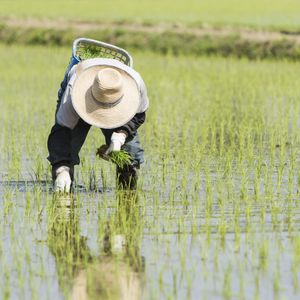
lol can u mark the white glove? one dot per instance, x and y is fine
(63, 180)
(117, 141)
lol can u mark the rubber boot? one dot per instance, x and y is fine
(127, 178)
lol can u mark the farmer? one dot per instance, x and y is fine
(104, 93)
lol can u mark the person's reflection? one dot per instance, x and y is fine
(117, 274)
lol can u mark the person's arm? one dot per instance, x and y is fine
(132, 126)
(126, 132)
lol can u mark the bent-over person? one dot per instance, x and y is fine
(105, 93)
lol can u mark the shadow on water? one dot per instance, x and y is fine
(114, 274)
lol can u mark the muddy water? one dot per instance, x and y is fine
(219, 230)
(98, 245)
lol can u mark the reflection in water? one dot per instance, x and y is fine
(116, 274)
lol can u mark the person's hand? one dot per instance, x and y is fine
(117, 140)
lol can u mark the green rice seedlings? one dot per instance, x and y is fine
(8, 202)
(174, 280)
(208, 167)
(275, 213)
(257, 182)
(289, 218)
(182, 252)
(121, 158)
(263, 254)
(216, 263)
(276, 281)
(227, 292)
(189, 274)
(257, 282)
(295, 278)
(85, 51)
(6, 291)
(237, 236)
(38, 170)
(244, 185)
(248, 213)
(241, 272)
(222, 230)
(194, 222)
(290, 187)
(295, 244)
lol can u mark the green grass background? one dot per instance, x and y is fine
(258, 13)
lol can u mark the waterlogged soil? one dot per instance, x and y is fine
(164, 249)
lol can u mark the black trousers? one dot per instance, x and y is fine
(64, 145)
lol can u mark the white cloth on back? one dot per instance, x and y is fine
(66, 115)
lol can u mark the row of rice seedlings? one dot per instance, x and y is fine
(182, 257)
(204, 163)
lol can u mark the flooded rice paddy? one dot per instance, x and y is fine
(216, 214)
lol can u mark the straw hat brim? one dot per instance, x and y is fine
(92, 112)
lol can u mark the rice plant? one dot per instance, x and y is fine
(217, 210)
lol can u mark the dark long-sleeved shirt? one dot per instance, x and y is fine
(132, 126)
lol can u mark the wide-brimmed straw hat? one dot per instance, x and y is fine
(106, 97)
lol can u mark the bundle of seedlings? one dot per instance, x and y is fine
(120, 158)
(86, 51)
